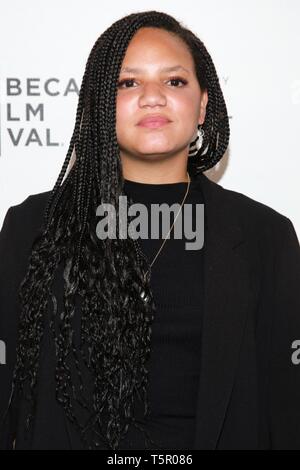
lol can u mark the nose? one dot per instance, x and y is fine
(152, 94)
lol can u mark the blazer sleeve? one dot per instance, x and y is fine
(284, 383)
(9, 313)
(16, 238)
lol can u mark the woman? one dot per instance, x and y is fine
(133, 344)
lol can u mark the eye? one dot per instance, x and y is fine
(131, 80)
(178, 79)
(125, 81)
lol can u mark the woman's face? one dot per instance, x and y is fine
(175, 94)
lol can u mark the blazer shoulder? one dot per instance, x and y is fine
(34, 203)
(265, 222)
(29, 212)
(23, 221)
(257, 219)
(254, 210)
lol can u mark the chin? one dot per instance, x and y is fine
(155, 150)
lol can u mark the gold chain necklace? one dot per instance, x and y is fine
(148, 272)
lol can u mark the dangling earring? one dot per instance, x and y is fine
(197, 141)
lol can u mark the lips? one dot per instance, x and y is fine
(153, 121)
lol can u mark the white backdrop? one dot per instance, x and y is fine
(254, 45)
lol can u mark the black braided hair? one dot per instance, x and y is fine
(105, 277)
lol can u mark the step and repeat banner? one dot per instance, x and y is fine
(255, 48)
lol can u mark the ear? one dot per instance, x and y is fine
(203, 104)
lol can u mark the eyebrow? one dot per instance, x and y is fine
(163, 69)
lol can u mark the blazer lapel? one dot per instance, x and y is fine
(226, 302)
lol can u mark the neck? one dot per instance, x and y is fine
(155, 171)
(160, 177)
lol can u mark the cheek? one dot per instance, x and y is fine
(126, 115)
(185, 106)
(126, 109)
(119, 114)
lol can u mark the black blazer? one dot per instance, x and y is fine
(249, 387)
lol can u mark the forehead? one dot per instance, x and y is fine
(154, 45)
(173, 68)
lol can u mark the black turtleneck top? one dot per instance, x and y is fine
(177, 286)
